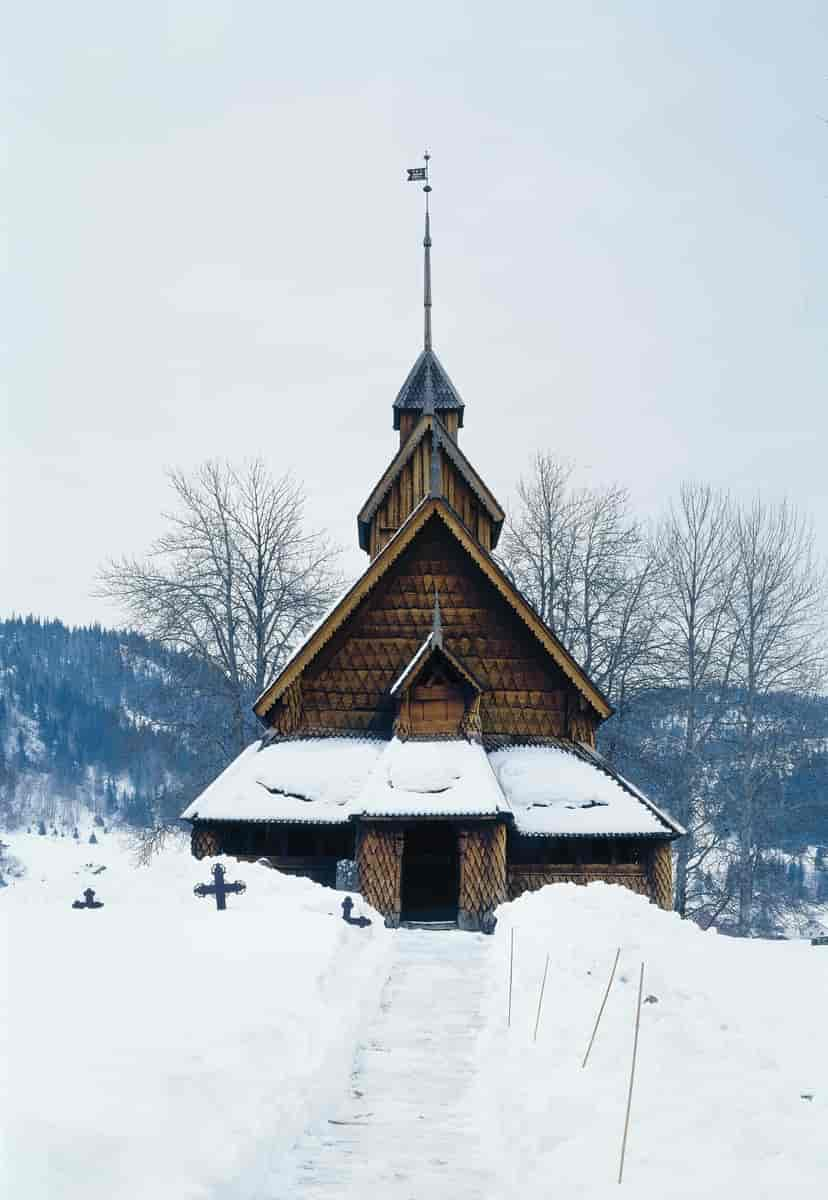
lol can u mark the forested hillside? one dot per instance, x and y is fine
(95, 718)
(788, 763)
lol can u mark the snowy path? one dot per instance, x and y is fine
(409, 1126)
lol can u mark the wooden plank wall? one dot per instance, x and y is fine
(409, 418)
(346, 686)
(528, 877)
(651, 875)
(409, 488)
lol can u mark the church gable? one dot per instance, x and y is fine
(346, 684)
(419, 466)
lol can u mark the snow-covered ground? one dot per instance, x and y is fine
(161, 1049)
(732, 1045)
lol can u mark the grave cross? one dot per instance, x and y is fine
(88, 901)
(219, 888)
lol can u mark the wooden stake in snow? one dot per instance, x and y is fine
(632, 1075)
(511, 972)
(540, 999)
(601, 1009)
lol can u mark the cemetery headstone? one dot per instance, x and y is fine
(347, 876)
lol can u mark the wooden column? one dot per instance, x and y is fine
(204, 842)
(660, 875)
(482, 874)
(379, 862)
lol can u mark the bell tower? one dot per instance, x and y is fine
(427, 387)
(428, 412)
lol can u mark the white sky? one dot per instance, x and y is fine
(213, 253)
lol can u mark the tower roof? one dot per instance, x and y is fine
(428, 388)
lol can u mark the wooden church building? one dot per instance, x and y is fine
(432, 729)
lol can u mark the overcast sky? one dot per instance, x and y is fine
(213, 253)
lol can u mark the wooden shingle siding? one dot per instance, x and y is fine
(347, 685)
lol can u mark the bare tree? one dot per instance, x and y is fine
(777, 608)
(585, 563)
(234, 582)
(695, 552)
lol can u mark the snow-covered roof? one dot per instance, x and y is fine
(412, 664)
(447, 778)
(313, 780)
(550, 791)
(555, 792)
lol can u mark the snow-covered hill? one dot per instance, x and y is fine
(160, 1048)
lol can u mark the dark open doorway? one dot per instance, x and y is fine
(430, 872)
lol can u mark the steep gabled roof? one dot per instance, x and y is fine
(414, 668)
(427, 385)
(450, 448)
(429, 508)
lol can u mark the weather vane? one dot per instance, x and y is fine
(420, 175)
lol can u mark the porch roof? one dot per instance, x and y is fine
(573, 792)
(562, 790)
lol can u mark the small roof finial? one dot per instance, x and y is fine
(437, 620)
(421, 174)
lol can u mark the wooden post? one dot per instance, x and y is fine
(511, 972)
(632, 1075)
(540, 999)
(601, 1009)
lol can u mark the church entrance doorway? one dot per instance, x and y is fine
(430, 872)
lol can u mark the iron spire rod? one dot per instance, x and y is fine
(427, 248)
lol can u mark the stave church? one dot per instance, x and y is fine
(432, 740)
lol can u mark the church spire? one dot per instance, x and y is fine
(427, 249)
(420, 174)
(427, 388)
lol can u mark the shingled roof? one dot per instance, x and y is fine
(428, 387)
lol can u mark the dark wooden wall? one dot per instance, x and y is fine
(409, 418)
